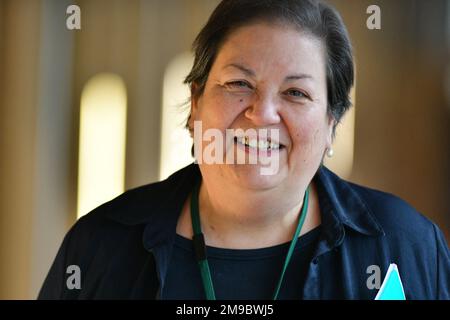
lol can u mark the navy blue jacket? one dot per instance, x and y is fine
(123, 247)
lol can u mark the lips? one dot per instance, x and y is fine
(260, 144)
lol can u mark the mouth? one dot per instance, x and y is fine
(261, 144)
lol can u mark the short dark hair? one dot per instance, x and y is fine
(313, 17)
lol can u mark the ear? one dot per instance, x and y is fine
(195, 97)
(331, 127)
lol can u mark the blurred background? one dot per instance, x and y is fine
(88, 113)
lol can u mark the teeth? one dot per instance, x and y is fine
(274, 145)
(261, 144)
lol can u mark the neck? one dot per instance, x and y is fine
(243, 220)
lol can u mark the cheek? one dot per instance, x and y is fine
(308, 135)
(219, 110)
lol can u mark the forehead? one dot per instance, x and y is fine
(272, 48)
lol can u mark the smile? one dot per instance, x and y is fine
(259, 144)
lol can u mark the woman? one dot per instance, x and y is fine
(224, 230)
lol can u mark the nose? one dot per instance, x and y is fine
(263, 111)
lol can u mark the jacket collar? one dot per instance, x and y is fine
(158, 205)
(341, 205)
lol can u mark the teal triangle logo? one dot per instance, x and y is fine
(392, 287)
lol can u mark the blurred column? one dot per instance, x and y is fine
(53, 183)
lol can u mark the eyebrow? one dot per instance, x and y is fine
(247, 71)
(251, 73)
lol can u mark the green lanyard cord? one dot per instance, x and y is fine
(200, 246)
(294, 241)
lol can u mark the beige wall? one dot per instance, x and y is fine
(402, 122)
(18, 124)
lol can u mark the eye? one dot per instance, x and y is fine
(295, 93)
(238, 84)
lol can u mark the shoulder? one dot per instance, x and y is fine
(411, 240)
(124, 213)
(364, 206)
(125, 217)
(155, 205)
(394, 214)
(108, 242)
(141, 205)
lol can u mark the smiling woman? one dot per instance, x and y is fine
(224, 230)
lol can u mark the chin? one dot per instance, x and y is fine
(250, 177)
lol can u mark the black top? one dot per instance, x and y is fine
(240, 274)
(123, 248)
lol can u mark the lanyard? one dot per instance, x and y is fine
(200, 246)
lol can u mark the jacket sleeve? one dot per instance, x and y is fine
(443, 266)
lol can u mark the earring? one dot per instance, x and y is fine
(330, 152)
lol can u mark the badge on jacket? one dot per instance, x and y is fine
(392, 287)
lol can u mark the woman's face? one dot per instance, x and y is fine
(267, 76)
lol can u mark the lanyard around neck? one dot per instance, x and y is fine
(200, 246)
